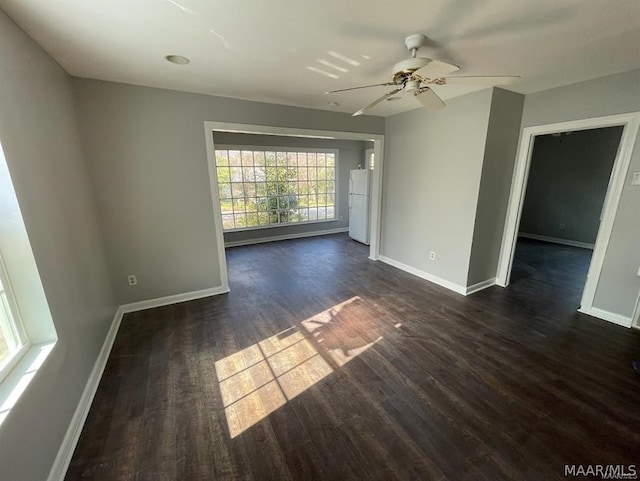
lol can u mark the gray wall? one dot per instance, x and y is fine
(147, 159)
(619, 285)
(495, 184)
(39, 136)
(432, 169)
(568, 181)
(350, 155)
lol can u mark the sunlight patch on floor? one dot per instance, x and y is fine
(261, 378)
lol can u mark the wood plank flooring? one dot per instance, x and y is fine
(323, 365)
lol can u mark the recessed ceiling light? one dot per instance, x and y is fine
(393, 99)
(333, 104)
(178, 59)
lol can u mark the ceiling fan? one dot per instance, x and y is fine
(416, 74)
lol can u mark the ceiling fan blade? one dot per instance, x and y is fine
(429, 99)
(356, 88)
(488, 81)
(436, 69)
(376, 102)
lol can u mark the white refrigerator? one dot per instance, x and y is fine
(359, 205)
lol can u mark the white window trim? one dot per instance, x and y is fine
(270, 148)
(8, 364)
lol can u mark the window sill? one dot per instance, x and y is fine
(17, 380)
(277, 226)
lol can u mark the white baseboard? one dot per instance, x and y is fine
(65, 453)
(274, 238)
(68, 446)
(479, 286)
(607, 316)
(556, 240)
(175, 299)
(424, 275)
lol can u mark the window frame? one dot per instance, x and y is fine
(17, 324)
(262, 148)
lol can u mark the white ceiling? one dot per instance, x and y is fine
(262, 49)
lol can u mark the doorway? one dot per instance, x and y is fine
(565, 194)
(629, 124)
(228, 128)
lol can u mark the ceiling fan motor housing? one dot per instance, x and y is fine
(411, 85)
(403, 70)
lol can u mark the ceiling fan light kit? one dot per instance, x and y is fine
(415, 74)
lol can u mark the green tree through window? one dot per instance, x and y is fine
(265, 187)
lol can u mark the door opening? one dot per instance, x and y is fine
(569, 176)
(629, 124)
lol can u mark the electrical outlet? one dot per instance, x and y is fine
(562, 226)
(132, 280)
(432, 256)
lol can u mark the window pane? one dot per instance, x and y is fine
(236, 174)
(234, 157)
(330, 199)
(248, 174)
(331, 160)
(330, 174)
(303, 215)
(237, 190)
(247, 158)
(270, 158)
(241, 220)
(227, 221)
(223, 175)
(224, 190)
(250, 190)
(8, 339)
(238, 205)
(275, 187)
(252, 219)
(222, 158)
(263, 218)
(226, 205)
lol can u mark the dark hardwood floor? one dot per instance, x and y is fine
(321, 364)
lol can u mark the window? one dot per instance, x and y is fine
(370, 159)
(262, 187)
(12, 339)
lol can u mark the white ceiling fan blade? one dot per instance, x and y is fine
(376, 102)
(436, 69)
(356, 88)
(429, 99)
(488, 81)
